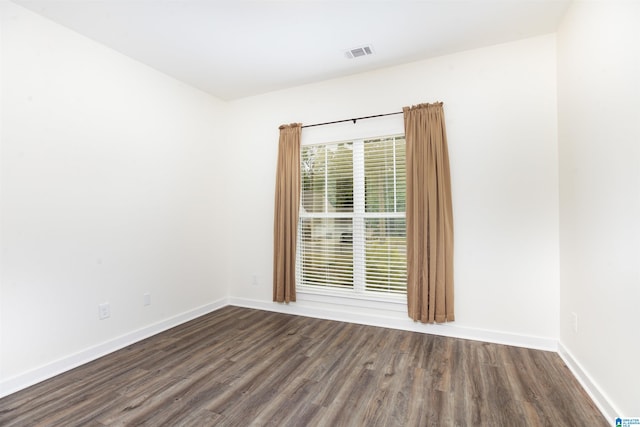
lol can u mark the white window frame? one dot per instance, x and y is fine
(356, 133)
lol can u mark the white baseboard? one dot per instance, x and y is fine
(394, 319)
(609, 411)
(67, 363)
(399, 320)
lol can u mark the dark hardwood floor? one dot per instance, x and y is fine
(240, 367)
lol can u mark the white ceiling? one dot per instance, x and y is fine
(234, 49)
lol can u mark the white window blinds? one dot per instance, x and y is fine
(352, 230)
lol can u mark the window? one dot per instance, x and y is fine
(352, 229)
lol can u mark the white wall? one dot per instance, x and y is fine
(599, 140)
(110, 189)
(500, 107)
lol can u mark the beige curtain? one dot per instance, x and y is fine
(429, 216)
(287, 204)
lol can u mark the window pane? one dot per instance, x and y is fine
(386, 255)
(401, 175)
(326, 252)
(313, 178)
(327, 178)
(385, 175)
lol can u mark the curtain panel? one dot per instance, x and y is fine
(287, 205)
(429, 216)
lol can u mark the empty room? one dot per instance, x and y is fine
(319, 213)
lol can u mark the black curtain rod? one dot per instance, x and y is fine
(352, 120)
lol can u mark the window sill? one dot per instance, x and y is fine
(394, 302)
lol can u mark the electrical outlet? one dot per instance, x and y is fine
(104, 311)
(574, 322)
(147, 299)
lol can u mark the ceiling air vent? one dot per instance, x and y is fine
(359, 51)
